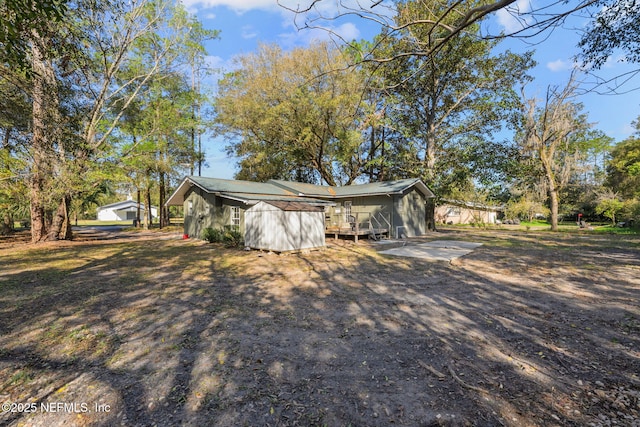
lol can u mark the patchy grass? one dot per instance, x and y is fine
(538, 226)
(530, 329)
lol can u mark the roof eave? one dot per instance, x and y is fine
(180, 191)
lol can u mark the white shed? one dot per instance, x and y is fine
(284, 226)
(123, 211)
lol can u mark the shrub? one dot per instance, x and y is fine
(212, 235)
(228, 236)
(233, 238)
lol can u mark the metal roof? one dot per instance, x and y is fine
(244, 191)
(236, 186)
(472, 205)
(295, 206)
(370, 189)
(251, 192)
(124, 203)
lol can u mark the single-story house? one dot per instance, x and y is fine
(123, 211)
(462, 212)
(401, 207)
(397, 208)
(222, 203)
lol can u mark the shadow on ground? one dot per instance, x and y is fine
(526, 330)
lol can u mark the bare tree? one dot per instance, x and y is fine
(612, 25)
(456, 18)
(552, 138)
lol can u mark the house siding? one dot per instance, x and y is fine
(410, 213)
(408, 210)
(208, 211)
(362, 208)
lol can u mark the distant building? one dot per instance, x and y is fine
(124, 211)
(461, 212)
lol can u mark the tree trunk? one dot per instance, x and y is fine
(67, 231)
(46, 148)
(381, 173)
(138, 208)
(372, 154)
(161, 197)
(546, 159)
(148, 218)
(38, 223)
(7, 224)
(430, 214)
(61, 224)
(42, 78)
(553, 206)
(430, 154)
(199, 154)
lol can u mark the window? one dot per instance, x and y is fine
(235, 217)
(347, 211)
(190, 207)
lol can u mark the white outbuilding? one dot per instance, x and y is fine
(284, 226)
(123, 211)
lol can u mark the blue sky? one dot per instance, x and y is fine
(246, 23)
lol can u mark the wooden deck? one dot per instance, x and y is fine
(377, 233)
(357, 224)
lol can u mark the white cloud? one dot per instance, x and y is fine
(612, 61)
(345, 32)
(215, 62)
(348, 31)
(248, 32)
(513, 17)
(236, 5)
(325, 8)
(560, 65)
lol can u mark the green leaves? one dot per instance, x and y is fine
(292, 115)
(448, 105)
(616, 27)
(18, 20)
(623, 170)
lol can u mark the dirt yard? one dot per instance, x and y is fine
(529, 329)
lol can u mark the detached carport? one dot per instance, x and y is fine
(284, 226)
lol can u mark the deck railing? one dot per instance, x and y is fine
(357, 221)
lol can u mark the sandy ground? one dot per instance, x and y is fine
(525, 330)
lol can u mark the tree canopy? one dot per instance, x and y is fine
(293, 115)
(76, 81)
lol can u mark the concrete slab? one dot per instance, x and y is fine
(437, 250)
(388, 241)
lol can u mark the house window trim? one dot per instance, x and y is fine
(347, 210)
(234, 218)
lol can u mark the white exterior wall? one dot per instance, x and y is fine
(110, 215)
(119, 213)
(270, 228)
